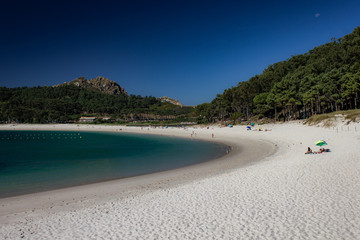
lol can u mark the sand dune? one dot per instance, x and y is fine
(266, 188)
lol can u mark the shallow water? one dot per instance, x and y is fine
(33, 161)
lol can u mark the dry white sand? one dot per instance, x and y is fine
(266, 188)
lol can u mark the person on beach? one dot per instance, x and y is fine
(309, 151)
(322, 150)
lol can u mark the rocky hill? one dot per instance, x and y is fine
(101, 84)
(170, 100)
(107, 86)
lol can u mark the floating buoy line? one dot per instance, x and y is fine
(40, 136)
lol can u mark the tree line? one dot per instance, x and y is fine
(323, 80)
(68, 103)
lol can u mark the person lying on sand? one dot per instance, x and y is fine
(322, 150)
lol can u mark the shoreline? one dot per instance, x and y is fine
(71, 197)
(279, 193)
(223, 151)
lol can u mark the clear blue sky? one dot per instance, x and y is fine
(187, 50)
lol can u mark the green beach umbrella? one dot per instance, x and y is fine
(320, 143)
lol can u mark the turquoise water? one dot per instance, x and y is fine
(33, 161)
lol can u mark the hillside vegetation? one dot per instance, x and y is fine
(331, 119)
(66, 103)
(324, 80)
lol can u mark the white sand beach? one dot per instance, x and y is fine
(265, 188)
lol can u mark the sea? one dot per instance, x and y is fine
(35, 161)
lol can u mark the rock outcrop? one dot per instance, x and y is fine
(171, 100)
(101, 84)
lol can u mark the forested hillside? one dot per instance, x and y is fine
(323, 80)
(69, 102)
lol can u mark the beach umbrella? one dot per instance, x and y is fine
(248, 128)
(229, 125)
(320, 143)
